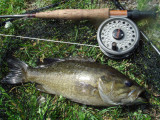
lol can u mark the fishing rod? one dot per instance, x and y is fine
(78, 14)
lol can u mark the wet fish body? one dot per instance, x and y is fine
(81, 81)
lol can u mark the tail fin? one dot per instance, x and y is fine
(17, 72)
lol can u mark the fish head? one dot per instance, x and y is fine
(120, 91)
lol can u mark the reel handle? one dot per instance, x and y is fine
(75, 14)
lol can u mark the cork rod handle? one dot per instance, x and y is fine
(75, 14)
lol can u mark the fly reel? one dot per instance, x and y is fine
(118, 37)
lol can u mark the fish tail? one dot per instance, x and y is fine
(17, 72)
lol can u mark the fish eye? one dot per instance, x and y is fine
(128, 83)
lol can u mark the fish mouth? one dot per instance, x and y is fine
(137, 95)
(141, 95)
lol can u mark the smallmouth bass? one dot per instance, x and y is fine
(81, 81)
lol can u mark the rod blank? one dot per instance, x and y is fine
(17, 16)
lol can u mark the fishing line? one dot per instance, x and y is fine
(49, 40)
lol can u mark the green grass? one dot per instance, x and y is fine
(21, 102)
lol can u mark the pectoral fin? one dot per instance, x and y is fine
(104, 92)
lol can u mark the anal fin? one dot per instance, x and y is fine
(40, 88)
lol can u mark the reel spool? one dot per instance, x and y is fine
(118, 37)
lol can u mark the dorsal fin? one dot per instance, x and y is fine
(48, 61)
(80, 58)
